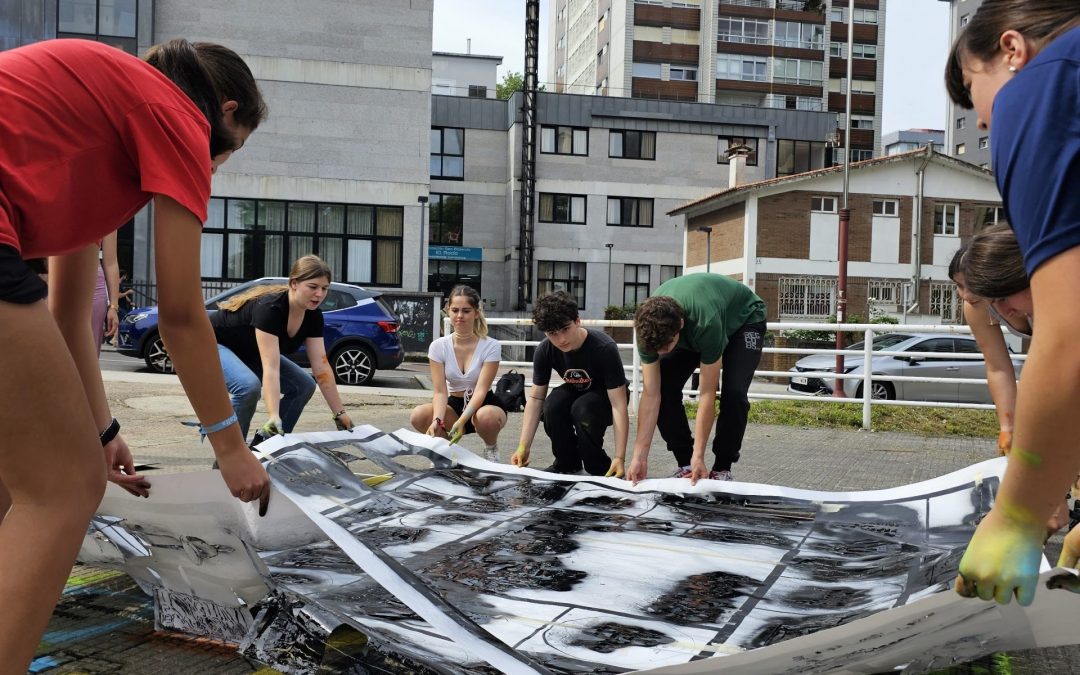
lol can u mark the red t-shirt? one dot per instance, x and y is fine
(88, 135)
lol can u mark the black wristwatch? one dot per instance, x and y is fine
(110, 432)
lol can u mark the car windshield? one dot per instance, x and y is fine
(882, 342)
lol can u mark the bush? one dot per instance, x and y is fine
(876, 316)
(616, 313)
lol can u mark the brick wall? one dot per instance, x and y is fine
(728, 228)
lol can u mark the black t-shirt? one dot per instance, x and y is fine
(270, 313)
(595, 365)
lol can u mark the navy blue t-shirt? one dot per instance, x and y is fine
(1035, 148)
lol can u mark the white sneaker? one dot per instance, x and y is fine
(491, 454)
(721, 475)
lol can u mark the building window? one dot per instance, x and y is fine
(862, 122)
(649, 70)
(865, 16)
(448, 153)
(836, 15)
(112, 22)
(632, 144)
(683, 73)
(860, 51)
(887, 207)
(630, 211)
(726, 142)
(789, 102)
(477, 91)
(823, 204)
(884, 296)
(668, 272)
(961, 148)
(554, 276)
(798, 157)
(806, 297)
(856, 155)
(737, 67)
(836, 50)
(944, 301)
(745, 31)
(964, 19)
(945, 219)
(446, 218)
(798, 71)
(562, 208)
(800, 35)
(635, 284)
(961, 122)
(984, 142)
(443, 275)
(246, 239)
(564, 140)
(990, 215)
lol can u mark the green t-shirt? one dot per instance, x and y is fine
(716, 306)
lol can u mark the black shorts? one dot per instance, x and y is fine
(19, 280)
(457, 404)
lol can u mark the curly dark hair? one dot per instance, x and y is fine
(554, 311)
(658, 321)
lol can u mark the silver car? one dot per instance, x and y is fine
(808, 376)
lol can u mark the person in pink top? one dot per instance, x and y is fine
(90, 135)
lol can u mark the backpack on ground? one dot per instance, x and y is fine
(510, 390)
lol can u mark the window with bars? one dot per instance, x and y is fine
(552, 275)
(944, 302)
(807, 297)
(885, 295)
(635, 284)
(245, 239)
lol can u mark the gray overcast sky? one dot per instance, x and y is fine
(916, 43)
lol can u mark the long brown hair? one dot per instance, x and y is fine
(210, 75)
(993, 266)
(480, 326)
(1039, 21)
(305, 268)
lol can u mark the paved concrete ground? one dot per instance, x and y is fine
(105, 625)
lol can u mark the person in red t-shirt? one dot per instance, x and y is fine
(88, 136)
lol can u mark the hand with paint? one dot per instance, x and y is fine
(273, 427)
(520, 458)
(616, 468)
(1002, 558)
(1004, 441)
(121, 468)
(457, 431)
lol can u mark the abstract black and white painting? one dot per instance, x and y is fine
(467, 566)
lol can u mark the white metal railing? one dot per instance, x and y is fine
(867, 376)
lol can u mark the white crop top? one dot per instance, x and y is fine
(442, 351)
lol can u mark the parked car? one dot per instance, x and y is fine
(360, 333)
(808, 374)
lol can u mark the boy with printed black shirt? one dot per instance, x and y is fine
(592, 397)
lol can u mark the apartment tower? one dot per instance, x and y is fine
(963, 137)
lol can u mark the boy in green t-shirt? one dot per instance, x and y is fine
(697, 321)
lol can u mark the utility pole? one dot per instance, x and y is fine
(422, 200)
(708, 248)
(845, 212)
(609, 247)
(528, 154)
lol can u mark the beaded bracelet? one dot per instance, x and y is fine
(339, 414)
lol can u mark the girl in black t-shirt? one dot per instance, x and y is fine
(257, 328)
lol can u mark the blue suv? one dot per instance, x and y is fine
(360, 332)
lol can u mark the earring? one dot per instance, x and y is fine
(1012, 69)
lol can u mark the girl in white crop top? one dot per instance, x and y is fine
(463, 366)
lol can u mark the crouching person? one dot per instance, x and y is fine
(592, 398)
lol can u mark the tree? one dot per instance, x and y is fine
(512, 82)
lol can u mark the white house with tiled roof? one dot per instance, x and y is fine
(909, 214)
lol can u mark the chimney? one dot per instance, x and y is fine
(468, 45)
(737, 155)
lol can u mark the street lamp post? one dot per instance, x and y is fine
(609, 247)
(845, 212)
(708, 247)
(422, 200)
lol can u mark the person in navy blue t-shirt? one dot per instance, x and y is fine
(1018, 61)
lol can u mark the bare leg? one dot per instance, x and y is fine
(52, 465)
(420, 418)
(489, 421)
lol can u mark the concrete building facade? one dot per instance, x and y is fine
(762, 53)
(474, 75)
(963, 137)
(899, 142)
(909, 215)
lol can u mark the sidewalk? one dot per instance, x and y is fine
(104, 624)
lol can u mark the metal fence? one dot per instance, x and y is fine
(867, 332)
(145, 294)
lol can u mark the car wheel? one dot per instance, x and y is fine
(353, 364)
(879, 391)
(157, 358)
